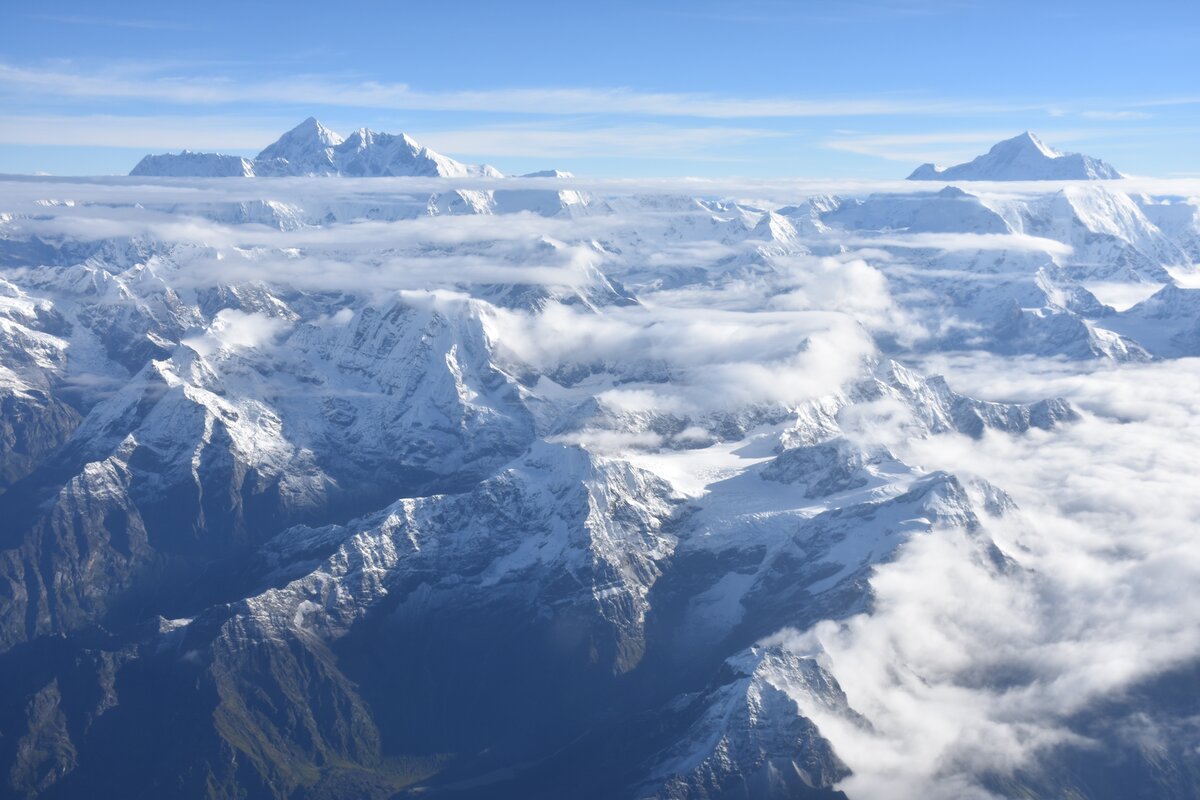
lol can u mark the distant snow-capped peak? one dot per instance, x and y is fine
(310, 148)
(190, 165)
(1024, 157)
(548, 173)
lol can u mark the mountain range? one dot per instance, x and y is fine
(318, 488)
(312, 149)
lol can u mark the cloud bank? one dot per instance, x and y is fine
(967, 671)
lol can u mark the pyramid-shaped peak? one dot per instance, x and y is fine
(312, 128)
(1027, 141)
(360, 138)
(307, 141)
(1024, 157)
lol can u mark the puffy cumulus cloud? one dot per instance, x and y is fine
(967, 670)
(637, 401)
(852, 286)
(714, 358)
(913, 669)
(233, 329)
(338, 319)
(829, 284)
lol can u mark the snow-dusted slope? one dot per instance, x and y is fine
(1024, 157)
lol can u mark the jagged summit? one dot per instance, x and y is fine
(310, 131)
(1027, 140)
(312, 149)
(309, 144)
(1024, 157)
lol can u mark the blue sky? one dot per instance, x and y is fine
(758, 88)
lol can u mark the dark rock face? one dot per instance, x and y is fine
(32, 426)
(45, 752)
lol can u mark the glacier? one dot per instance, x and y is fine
(378, 476)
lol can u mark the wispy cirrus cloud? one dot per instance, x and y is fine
(546, 139)
(1115, 116)
(308, 90)
(630, 141)
(153, 132)
(772, 13)
(109, 22)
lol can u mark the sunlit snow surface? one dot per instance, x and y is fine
(634, 376)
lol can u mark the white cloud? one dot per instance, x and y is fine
(1115, 116)
(22, 192)
(718, 358)
(226, 133)
(232, 328)
(964, 670)
(151, 132)
(628, 141)
(108, 22)
(723, 350)
(852, 286)
(310, 90)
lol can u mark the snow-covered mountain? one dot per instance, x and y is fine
(555, 489)
(312, 149)
(188, 164)
(548, 173)
(306, 149)
(1024, 157)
